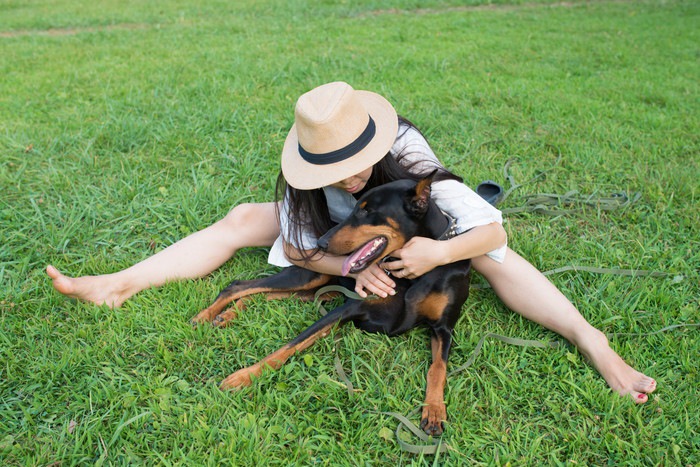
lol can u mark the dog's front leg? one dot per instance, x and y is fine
(434, 410)
(276, 359)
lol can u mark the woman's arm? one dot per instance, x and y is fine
(420, 255)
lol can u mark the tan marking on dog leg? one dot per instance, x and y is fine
(210, 313)
(274, 361)
(225, 318)
(242, 377)
(433, 306)
(434, 411)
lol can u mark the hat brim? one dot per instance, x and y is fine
(303, 175)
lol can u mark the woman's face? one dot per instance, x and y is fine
(355, 183)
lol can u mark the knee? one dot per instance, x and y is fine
(250, 224)
(241, 216)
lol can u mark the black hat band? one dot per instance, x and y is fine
(343, 153)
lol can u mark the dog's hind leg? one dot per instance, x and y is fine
(225, 317)
(289, 280)
(434, 411)
(275, 360)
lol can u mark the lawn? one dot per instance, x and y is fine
(125, 126)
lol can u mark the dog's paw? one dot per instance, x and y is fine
(237, 380)
(433, 418)
(207, 315)
(224, 318)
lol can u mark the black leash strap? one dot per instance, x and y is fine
(553, 204)
(432, 445)
(614, 272)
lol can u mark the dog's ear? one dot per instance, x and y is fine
(419, 202)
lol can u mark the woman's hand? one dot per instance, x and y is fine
(418, 256)
(373, 280)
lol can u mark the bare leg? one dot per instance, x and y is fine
(194, 256)
(526, 291)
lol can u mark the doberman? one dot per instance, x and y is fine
(383, 220)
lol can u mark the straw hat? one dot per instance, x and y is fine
(338, 132)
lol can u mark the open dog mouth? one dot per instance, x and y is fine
(363, 256)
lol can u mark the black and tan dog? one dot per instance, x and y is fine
(384, 219)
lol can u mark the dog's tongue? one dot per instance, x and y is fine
(354, 258)
(346, 266)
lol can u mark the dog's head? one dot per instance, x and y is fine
(383, 220)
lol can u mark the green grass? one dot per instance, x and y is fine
(126, 126)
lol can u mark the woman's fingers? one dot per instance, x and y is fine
(395, 265)
(376, 281)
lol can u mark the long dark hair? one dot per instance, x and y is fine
(308, 209)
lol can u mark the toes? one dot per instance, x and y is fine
(60, 282)
(237, 380)
(642, 389)
(643, 385)
(210, 315)
(432, 420)
(650, 386)
(205, 315)
(197, 319)
(224, 319)
(52, 272)
(432, 427)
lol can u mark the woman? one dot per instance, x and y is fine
(344, 142)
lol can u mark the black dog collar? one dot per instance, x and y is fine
(451, 230)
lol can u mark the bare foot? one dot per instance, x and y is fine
(621, 377)
(100, 290)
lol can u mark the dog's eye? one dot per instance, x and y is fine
(361, 213)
